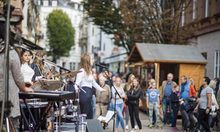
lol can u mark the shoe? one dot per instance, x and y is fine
(136, 127)
(126, 127)
(150, 126)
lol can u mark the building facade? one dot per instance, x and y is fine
(74, 10)
(203, 16)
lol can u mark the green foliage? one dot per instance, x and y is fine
(60, 33)
(105, 14)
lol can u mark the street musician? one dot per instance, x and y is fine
(16, 84)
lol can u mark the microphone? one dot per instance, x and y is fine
(102, 66)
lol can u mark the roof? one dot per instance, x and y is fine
(170, 53)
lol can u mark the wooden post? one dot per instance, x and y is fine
(157, 73)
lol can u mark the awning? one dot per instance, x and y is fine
(167, 53)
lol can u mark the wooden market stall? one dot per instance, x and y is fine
(161, 59)
(177, 59)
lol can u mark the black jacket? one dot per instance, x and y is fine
(174, 98)
(133, 96)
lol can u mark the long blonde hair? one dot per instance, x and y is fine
(86, 63)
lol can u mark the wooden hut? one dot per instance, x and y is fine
(161, 59)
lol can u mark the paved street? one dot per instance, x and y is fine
(145, 121)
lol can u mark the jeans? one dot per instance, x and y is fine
(166, 105)
(204, 120)
(94, 106)
(134, 115)
(127, 115)
(174, 112)
(154, 107)
(119, 117)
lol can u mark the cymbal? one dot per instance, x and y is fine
(72, 73)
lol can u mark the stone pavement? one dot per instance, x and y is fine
(145, 122)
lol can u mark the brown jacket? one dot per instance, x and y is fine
(103, 96)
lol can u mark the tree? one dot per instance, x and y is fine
(131, 21)
(60, 33)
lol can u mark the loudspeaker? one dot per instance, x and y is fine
(94, 125)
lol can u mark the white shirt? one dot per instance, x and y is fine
(121, 93)
(27, 72)
(84, 80)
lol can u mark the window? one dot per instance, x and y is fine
(194, 9)
(104, 47)
(93, 32)
(76, 6)
(39, 2)
(204, 54)
(45, 3)
(72, 66)
(217, 6)
(54, 3)
(183, 15)
(207, 8)
(217, 64)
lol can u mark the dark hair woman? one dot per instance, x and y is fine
(26, 70)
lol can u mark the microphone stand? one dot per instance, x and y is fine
(116, 93)
(6, 68)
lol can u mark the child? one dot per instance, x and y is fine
(153, 103)
(174, 97)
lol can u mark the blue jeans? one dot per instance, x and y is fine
(119, 118)
(166, 107)
(94, 106)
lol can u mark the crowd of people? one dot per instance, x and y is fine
(164, 103)
(101, 92)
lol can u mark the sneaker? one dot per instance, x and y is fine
(150, 126)
(126, 127)
(136, 127)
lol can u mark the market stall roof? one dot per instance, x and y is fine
(165, 53)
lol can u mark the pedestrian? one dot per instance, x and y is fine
(174, 104)
(84, 84)
(204, 106)
(184, 88)
(215, 106)
(126, 89)
(153, 103)
(192, 92)
(16, 84)
(102, 98)
(26, 70)
(119, 102)
(133, 96)
(166, 91)
(218, 101)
